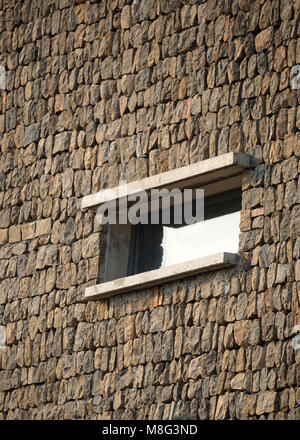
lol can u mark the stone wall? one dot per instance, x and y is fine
(102, 91)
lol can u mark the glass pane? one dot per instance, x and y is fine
(155, 246)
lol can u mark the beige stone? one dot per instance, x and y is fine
(264, 39)
(245, 220)
(203, 172)
(118, 400)
(126, 17)
(11, 333)
(129, 327)
(43, 227)
(241, 331)
(222, 407)
(297, 271)
(158, 93)
(266, 402)
(238, 381)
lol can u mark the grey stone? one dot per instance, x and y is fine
(31, 134)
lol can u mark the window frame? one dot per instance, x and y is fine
(215, 175)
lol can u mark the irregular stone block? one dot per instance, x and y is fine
(62, 142)
(266, 402)
(31, 134)
(43, 227)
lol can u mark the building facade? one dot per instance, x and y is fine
(98, 92)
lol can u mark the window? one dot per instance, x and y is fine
(155, 246)
(141, 255)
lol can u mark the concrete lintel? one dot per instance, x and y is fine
(160, 276)
(200, 173)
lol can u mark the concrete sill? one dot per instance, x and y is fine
(215, 175)
(162, 275)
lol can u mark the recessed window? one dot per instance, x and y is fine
(134, 249)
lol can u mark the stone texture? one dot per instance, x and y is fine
(266, 402)
(31, 133)
(99, 92)
(28, 231)
(3, 236)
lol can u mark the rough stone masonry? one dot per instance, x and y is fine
(102, 91)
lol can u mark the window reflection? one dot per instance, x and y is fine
(155, 246)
